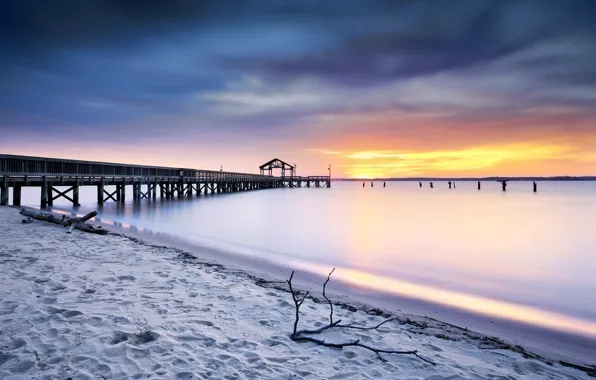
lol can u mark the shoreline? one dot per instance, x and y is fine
(377, 303)
(272, 278)
(552, 345)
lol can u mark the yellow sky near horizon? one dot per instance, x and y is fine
(514, 159)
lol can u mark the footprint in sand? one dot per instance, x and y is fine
(271, 342)
(284, 303)
(8, 307)
(350, 354)
(64, 312)
(205, 323)
(55, 286)
(22, 366)
(432, 347)
(223, 357)
(276, 360)
(134, 338)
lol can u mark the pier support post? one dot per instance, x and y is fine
(16, 195)
(75, 193)
(179, 189)
(44, 194)
(100, 191)
(122, 193)
(198, 189)
(136, 191)
(4, 192)
(50, 195)
(154, 190)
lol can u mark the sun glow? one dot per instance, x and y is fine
(371, 164)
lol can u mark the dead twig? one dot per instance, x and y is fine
(297, 302)
(304, 335)
(328, 300)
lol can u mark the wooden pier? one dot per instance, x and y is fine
(48, 174)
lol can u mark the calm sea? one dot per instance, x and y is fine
(520, 255)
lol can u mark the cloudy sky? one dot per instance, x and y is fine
(372, 87)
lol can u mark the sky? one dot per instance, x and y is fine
(375, 88)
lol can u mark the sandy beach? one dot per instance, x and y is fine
(83, 306)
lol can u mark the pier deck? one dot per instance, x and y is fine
(50, 173)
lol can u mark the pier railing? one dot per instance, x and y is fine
(20, 166)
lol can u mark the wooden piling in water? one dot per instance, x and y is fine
(75, 193)
(4, 192)
(50, 195)
(100, 191)
(44, 194)
(123, 193)
(16, 195)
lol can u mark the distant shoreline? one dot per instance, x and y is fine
(559, 178)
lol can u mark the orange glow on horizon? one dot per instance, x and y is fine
(377, 144)
(370, 164)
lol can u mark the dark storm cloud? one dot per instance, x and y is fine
(46, 24)
(429, 37)
(84, 62)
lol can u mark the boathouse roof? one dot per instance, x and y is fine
(276, 163)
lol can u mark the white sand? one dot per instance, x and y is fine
(83, 306)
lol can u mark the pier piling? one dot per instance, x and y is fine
(4, 195)
(4, 191)
(75, 194)
(50, 195)
(44, 194)
(16, 195)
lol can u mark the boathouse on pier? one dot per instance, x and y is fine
(276, 163)
(288, 175)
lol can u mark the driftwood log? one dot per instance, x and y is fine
(66, 221)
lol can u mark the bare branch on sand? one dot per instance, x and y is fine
(305, 335)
